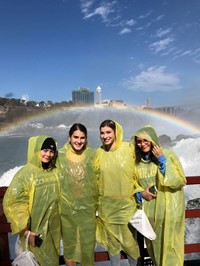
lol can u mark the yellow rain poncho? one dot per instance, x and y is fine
(32, 201)
(78, 204)
(116, 203)
(166, 213)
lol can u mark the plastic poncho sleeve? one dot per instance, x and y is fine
(16, 202)
(174, 176)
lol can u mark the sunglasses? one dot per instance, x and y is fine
(142, 141)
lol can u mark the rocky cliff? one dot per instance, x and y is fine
(14, 113)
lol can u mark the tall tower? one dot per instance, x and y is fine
(98, 91)
(148, 103)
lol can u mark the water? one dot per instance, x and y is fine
(13, 146)
(13, 142)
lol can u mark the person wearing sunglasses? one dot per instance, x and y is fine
(160, 174)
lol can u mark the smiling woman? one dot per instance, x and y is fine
(31, 201)
(78, 198)
(114, 168)
(161, 180)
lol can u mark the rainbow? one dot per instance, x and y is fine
(174, 121)
(177, 122)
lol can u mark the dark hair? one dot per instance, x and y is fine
(108, 123)
(78, 126)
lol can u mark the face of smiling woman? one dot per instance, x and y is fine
(107, 136)
(143, 144)
(78, 140)
(47, 155)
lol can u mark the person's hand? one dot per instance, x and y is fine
(157, 152)
(147, 195)
(31, 239)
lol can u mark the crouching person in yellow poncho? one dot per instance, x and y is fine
(114, 165)
(31, 202)
(78, 198)
(159, 169)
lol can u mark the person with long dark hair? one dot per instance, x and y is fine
(161, 179)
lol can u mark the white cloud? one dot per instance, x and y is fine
(124, 31)
(188, 52)
(130, 22)
(103, 10)
(161, 45)
(160, 17)
(123, 23)
(196, 55)
(153, 79)
(160, 32)
(169, 51)
(109, 13)
(140, 28)
(148, 24)
(197, 59)
(85, 6)
(146, 15)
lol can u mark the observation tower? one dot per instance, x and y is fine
(98, 94)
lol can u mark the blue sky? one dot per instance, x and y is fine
(133, 49)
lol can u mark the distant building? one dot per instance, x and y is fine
(113, 103)
(83, 96)
(148, 103)
(117, 103)
(98, 95)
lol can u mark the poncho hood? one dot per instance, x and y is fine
(148, 133)
(118, 136)
(34, 148)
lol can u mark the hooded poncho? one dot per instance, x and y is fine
(78, 204)
(116, 204)
(166, 213)
(32, 201)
